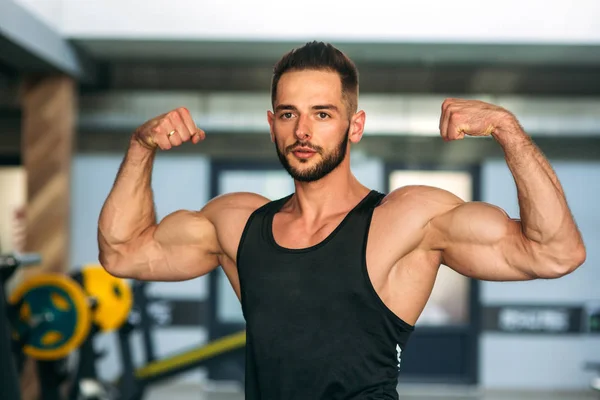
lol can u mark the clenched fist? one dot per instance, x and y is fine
(470, 117)
(169, 130)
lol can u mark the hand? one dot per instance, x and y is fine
(470, 117)
(169, 130)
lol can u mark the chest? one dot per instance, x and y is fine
(383, 241)
(295, 233)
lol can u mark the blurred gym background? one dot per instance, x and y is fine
(76, 77)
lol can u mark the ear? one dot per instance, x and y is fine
(271, 120)
(357, 126)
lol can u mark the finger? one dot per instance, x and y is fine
(451, 132)
(160, 138)
(179, 127)
(170, 132)
(187, 119)
(446, 117)
(458, 132)
(445, 104)
(199, 136)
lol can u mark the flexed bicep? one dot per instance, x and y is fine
(188, 244)
(181, 246)
(481, 241)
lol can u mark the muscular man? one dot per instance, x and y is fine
(333, 277)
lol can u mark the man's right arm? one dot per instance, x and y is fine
(182, 246)
(185, 244)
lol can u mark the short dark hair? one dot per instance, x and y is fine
(320, 56)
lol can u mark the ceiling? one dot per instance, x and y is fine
(27, 45)
(364, 52)
(384, 67)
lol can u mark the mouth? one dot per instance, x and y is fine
(303, 152)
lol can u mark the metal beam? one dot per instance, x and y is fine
(361, 52)
(27, 44)
(469, 79)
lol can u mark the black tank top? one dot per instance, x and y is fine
(315, 327)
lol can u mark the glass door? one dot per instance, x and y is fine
(444, 345)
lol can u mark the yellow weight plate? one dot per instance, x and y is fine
(113, 296)
(51, 338)
(54, 315)
(60, 302)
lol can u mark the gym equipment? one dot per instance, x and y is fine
(10, 262)
(113, 296)
(54, 316)
(9, 378)
(134, 381)
(181, 362)
(56, 312)
(112, 300)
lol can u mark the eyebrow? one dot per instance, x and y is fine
(282, 107)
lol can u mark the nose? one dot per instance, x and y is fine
(302, 131)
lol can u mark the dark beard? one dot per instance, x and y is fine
(327, 164)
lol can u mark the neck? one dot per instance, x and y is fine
(339, 190)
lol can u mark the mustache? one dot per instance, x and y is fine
(294, 146)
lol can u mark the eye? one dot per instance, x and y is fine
(287, 115)
(323, 115)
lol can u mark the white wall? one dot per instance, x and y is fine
(544, 362)
(517, 21)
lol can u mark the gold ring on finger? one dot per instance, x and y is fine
(171, 133)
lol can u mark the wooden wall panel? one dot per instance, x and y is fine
(48, 131)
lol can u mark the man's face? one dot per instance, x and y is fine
(310, 125)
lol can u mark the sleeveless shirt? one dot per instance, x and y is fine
(315, 327)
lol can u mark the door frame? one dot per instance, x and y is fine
(218, 328)
(230, 369)
(468, 335)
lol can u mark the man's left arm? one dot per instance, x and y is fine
(480, 240)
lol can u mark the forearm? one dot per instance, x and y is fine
(129, 208)
(545, 215)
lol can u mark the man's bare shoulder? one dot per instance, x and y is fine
(236, 202)
(229, 214)
(402, 221)
(418, 204)
(425, 197)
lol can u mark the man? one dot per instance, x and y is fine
(333, 277)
